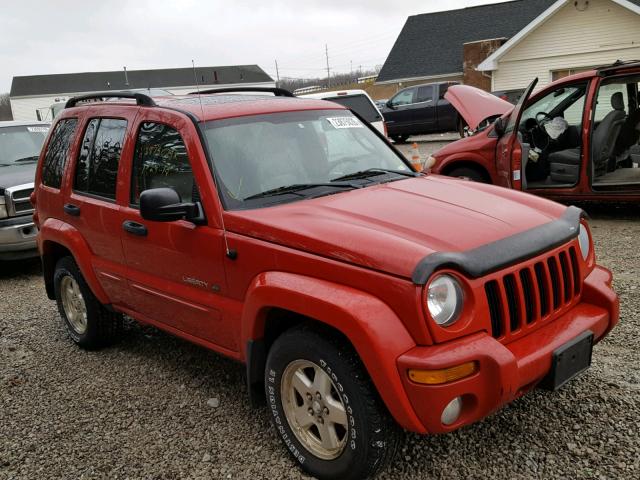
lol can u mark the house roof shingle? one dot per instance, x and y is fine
(431, 43)
(115, 80)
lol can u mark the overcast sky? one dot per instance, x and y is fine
(63, 36)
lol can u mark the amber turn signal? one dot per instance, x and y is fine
(445, 375)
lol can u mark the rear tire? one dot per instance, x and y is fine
(320, 395)
(89, 324)
(468, 173)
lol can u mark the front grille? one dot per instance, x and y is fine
(17, 199)
(535, 293)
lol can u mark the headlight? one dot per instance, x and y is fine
(583, 240)
(431, 161)
(444, 300)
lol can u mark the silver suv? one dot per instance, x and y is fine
(20, 144)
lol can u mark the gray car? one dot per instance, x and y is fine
(20, 145)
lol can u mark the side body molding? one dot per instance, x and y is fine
(375, 331)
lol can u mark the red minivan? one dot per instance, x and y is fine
(575, 139)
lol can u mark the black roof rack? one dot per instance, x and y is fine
(278, 92)
(614, 67)
(140, 98)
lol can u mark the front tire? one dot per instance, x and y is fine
(468, 173)
(325, 408)
(89, 324)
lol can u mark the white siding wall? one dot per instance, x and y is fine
(24, 108)
(602, 34)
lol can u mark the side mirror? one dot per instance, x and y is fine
(499, 126)
(390, 105)
(165, 205)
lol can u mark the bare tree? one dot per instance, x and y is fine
(5, 107)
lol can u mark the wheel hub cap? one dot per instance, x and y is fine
(314, 409)
(73, 304)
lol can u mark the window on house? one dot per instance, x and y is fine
(97, 168)
(161, 160)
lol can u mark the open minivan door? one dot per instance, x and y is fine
(509, 149)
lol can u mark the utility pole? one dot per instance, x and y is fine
(351, 65)
(326, 52)
(277, 74)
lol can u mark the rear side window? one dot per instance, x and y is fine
(56, 157)
(425, 94)
(361, 105)
(161, 160)
(97, 169)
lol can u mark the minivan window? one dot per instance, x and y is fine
(359, 104)
(97, 168)
(57, 150)
(161, 160)
(21, 143)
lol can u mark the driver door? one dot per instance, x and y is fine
(509, 147)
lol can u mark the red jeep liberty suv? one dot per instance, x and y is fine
(288, 234)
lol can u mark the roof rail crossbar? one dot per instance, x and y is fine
(610, 69)
(278, 92)
(140, 98)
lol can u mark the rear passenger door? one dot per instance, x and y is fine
(90, 205)
(424, 111)
(175, 269)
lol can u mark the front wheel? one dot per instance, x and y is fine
(468, 174)
(325, 408)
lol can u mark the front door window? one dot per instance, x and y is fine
(550, 129)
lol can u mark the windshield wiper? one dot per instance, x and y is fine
(297, 187)
(374, 172)
(33, 158)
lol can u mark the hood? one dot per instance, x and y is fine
(475, 105)
(17, 174)
(391, 227)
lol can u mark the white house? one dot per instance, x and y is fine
(32, 96)
(504, 45)
(568, 37)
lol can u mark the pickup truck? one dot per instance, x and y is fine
(421, 109)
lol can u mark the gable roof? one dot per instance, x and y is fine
(115, 80)
(490, 63)
(431, 44)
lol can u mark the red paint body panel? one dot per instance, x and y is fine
(500, 157)
(345, 260)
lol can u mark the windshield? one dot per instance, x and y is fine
(21, 144)
(265, 159)
(359, 104)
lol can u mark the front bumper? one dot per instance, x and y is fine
(18, 238)
(508, 371)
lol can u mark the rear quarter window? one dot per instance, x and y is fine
(57, 152)
(359, 104)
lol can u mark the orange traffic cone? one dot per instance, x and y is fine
(415, 157)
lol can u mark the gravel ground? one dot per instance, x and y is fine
(155, 407)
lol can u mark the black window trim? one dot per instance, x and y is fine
(53, 129)
(137, 206)
(75, 167)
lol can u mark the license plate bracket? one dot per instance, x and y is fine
(569, 361)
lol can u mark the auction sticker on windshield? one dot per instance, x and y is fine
(345, 122)
(38, 129)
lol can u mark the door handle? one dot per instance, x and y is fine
(71, 209)
(134, 228)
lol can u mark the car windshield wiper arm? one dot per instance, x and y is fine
(373, 172)
(299, 186)
(32, 158)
